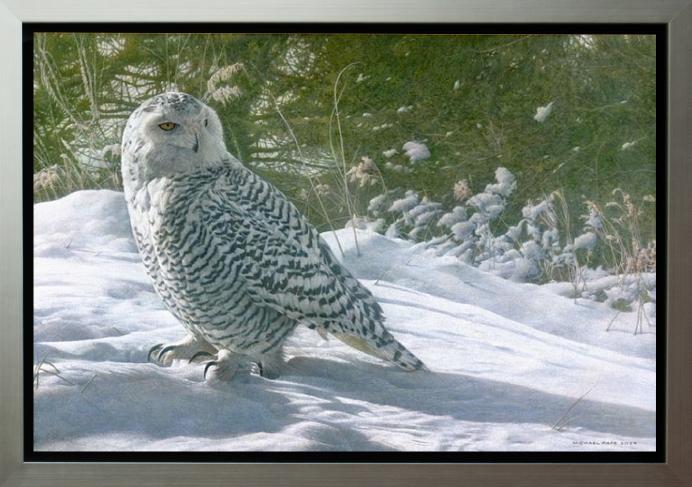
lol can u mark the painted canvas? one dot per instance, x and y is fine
(272, 241)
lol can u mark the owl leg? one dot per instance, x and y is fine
(190, 348)
(224, 367)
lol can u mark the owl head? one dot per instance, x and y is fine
(169, 134)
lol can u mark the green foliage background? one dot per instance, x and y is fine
(602, 88)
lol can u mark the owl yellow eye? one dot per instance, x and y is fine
(167, 126)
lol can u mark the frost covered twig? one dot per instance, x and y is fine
(560, 424)
(53, 370)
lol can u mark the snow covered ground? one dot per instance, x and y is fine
(512, 366)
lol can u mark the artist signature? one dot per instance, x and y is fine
(603, 443)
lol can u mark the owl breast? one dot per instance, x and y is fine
(196, 274)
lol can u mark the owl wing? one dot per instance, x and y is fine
(281, 257)
(286, 266)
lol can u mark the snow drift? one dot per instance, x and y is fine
(512, 366)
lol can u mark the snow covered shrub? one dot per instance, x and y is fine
(412, 216)
(467, 225)
(464, 231)
(618, 224)
(531, 248)
(548, 222)
(631, 261)
(606, 260)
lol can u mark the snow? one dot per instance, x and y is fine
(532, 212)
(111, 149)
(416, 151)
(543, 112)
(463, 229)
(405, 204)
(378, 204)
(508, 361)
(594, 220)
(398, 168)
(585, 241)
(458, 214)
(506, 182)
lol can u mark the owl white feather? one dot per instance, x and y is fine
(231, 257)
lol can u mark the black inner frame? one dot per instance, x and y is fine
(660, 30)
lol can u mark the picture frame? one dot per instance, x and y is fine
(13, 471)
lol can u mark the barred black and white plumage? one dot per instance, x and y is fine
(232, 258)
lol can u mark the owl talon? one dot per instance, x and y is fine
(164, 351)
(206, 367)
(225, 366)
(189, 348)
(152, 350)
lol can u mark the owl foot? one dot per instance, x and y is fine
(190, 348)
(270, 365)
(224, 367)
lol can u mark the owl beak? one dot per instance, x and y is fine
(195, 147)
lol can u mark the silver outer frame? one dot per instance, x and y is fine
(677, 471)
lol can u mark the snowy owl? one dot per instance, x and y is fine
(232, 259)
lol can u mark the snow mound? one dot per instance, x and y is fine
(88, 220)
(508, 361)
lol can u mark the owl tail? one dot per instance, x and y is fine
(391, 350)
